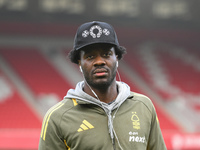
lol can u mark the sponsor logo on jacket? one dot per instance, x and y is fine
(134, 137)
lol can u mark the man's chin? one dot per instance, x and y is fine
(100, 84)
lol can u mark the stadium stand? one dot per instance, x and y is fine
(15, 112)
(36, 71)
(182, 67)
(19, 122)
(47, 86)
(136, 59)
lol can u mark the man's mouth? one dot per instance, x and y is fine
(100, 72)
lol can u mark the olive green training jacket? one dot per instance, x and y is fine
(81, 122)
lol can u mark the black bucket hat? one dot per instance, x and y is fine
(95, 32)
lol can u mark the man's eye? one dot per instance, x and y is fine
(89, 56)
(107, 54)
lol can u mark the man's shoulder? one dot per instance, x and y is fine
(143, 99)
(60, 108)
(139, 96)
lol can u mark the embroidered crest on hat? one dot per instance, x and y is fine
(86, 33)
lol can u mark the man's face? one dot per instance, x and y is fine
(98, 63)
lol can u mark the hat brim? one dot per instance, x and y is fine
(92, 43)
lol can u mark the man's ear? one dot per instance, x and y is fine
(117, 57)
(80, 68)
(117, 63)
(79, 64)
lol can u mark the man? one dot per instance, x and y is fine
(100, 113)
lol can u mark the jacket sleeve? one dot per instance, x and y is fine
(156, 141)
(51, 138)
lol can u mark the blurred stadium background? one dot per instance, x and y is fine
(162, 38)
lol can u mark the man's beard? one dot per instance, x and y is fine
(102, 85)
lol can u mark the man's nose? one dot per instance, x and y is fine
(99, 61)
